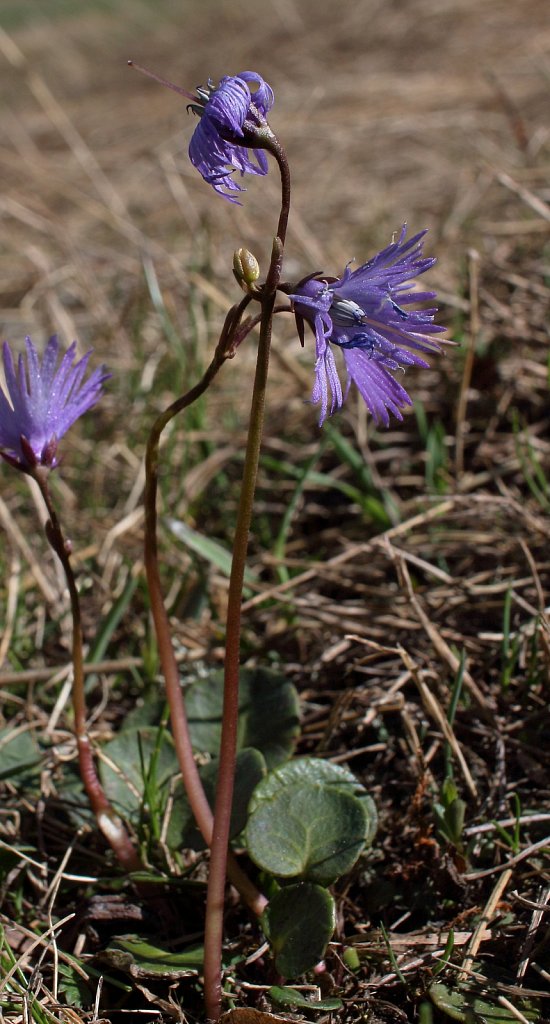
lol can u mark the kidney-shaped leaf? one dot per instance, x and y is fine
(307, 831)
(315, 771)
(268, 713)
(299, 922)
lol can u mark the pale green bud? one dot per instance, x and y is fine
(245, 267)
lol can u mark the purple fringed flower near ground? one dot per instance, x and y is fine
(227, 113)
(46, 399)
(363, 313)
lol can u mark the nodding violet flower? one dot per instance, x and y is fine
(230, 117)
(363, 313)
(46, 399)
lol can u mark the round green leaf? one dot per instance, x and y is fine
(307, 831)
(268, 713)
(299, 922)
(316, 771)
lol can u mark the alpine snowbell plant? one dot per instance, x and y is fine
(305, 821)
(369, 314)
(43, 400)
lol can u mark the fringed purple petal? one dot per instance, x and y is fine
(263, 97)
(45, 402)
(381, 392)
(223, 116)
(365, 314)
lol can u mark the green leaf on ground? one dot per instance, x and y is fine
(130, 754)
(317, 771)
(268, 713)
(141, 959)
(283, 995)
(299, 922)
(309, 819)
(182, 830)
(20, 756)
(461, 1002)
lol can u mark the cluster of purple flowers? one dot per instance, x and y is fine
(366, 313)
(370, 314)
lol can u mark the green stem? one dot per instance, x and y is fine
(180, 727)
(228, 743)
(108, 821)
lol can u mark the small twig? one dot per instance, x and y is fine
(349, 554)
(435, 710)
(512, 1009)
(528, 197)
(440, 645)
(491, 826)
(528, 852)
(487, 915)
(536, 918)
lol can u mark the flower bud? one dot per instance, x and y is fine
(246, 268)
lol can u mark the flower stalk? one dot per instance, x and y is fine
(44, 398)
(228, 743)
(231, 334)
(109, 823)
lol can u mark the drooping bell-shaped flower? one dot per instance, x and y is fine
(43, 400)
(231, 115)
(364, 314)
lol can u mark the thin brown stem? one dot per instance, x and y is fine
(228, 743)
(180, 727)
(108, 821)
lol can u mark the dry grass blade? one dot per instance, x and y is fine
(436, 712)
(18, 539)
(487, 915)
(473, 335)
(440, 645)
(539, 910)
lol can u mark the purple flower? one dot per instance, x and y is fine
(364, 314)
(43, 402)
(228, 113)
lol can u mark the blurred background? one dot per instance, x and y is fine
(389, 110)
(433, 113)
